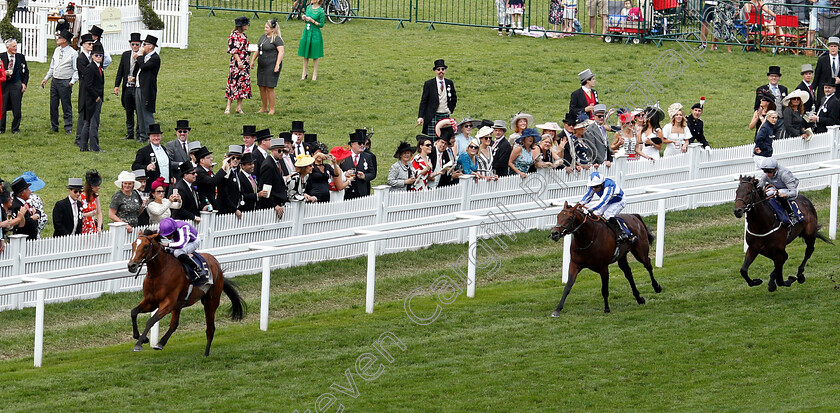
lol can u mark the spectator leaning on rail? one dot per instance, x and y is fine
(828, 110)
(182, 240)
(695, 125)
(67, 213)
(781, 186)
(596, 137)
(160, 207)
(126, 204)
(501, 148)
(35, 201)
(611, 202)
(401, 175)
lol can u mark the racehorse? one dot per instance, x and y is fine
(766, 235)
(165, 289)
(594, 246)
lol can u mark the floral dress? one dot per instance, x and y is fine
(35, 202)
(89, 224)
(239, 80)
(555, 12)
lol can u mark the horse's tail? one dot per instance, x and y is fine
(650, 235)
(822, 236)
(237, 305)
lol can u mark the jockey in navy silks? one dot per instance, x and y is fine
(611, 202)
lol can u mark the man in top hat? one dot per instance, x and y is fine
(125, 79)
(585, 98)
(82, 62)
(297, 138)
(262, 151)
(807, 86)
(145, 74)
(250, 192)
(190, 205)
(153, 158)
(368, 144)
(249, 138)
(192, 149)
(774, 73)
(362, 164)
(441, 155)
(206, 180)
(310, 140)
(501, 148)
(695, 125)
(438, 100)
(94, 81)
(272, 172)
(96, 32)
(230, 183)
(64, 74)
(828, 68)
(828, 112)
(17, 77)
(178, 149)
(596, 137)
(29, 225)
(67, 213)
(575, 153)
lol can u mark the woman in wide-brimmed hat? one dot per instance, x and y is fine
(793, 114)
(484, 158)
(401, 175)
(34, 200)
(558, 145)
(650, 135)
(519, 122)
(126, 204)
(676, 132)
(521, 159)
(296, 185)
(91, 206)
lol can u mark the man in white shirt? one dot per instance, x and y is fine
(297, 138)
(828, 68)
(63, 73)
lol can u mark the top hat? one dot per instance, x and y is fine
(829, 83)
(439, 63)
(185, 167)
(96, 31)
(182, 124)
(570, 118)
(277, 143)
(833, 40)
(499, 124)
(310, 137)
(585, 75)
(599, 108)
(66, 35)
(262, 134)
(247, 158)
(34, 182)
(806, 68)
(774, 70)
(98, 48)
(249, 130)
(297, 126)
(193, 146)
(357, 137)
(404, 147)
(139, 174)
(241, 21)
(202, 152)
(364, 133)
(286, 136)
(87, 37)
(154, 128)
(446, 133)
(19, 185)
(152, 40)
(135, 37)
(234, 150)
(74, 183)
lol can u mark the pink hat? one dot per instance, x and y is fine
(160, 182)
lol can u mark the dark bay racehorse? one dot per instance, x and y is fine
(766, 235)
(165, 289)
(594, 247)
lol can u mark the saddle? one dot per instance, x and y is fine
(202, 265)
(624, 227)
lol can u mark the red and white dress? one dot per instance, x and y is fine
(422, 181)
(89, 224)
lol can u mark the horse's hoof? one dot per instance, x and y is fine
(800, 278)
(137, 347)
(157, 347)
(790, 281)
(556, 313)
(640, 300)
(145, 340)
(756, 282)
(657, 288)
(771, 287)
(606, 310)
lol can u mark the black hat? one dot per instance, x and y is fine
(249, 130)
(486, 122)
(297, 126)
(774, 70)
(152, 40)
(262, 134)
(570, 119)
(93, 178)
(247, 158)
(404, 147)
(697, 106)
(439, 63)
(182, 124)
(310, 137)
(185, 167)
(241, 21)
(766, 95)
(832, 84)
(422, 137)
(202, 152)
(19, 185)
(96, 31)
(87, 37)
(98, 48)
(135, 37)
(286, 136)
(154, 128)
(357, 137)
(446, 133)
(66, 35)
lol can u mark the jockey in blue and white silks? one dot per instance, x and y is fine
(611, 201)
(182, 241)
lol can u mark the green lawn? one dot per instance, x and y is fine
(707, 342)
(371, 77)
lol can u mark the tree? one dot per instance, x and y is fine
(150, 17)
(7, 30)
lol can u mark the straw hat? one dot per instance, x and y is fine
(550, 126)
(801, 94)
(484, 131)
(673, 109)
(126, 176)
(521, 115)
(304, 160)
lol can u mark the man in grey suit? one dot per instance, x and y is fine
(596, 137)
(177, 149)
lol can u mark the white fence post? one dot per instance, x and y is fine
(39, 327)
(119, 235)
(660, 232)
(184, 24)
(264, 293)
(154, 333)
(471, 260)
(382, 198)
(17, 249)
(466, 183)
(205, 228)
(371, 277)
(832, 230)
(620, 165)
(297, 227)
(567, 256)
(693, 154)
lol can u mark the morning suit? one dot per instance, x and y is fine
(94, 81)
(190, 206)
(598, 142)
(501, 155)
(429, 102)
(272, 172)
(359, 187)
(765, 89)
(146, 71)
(65, 220)
(12, 94)
(258, 160)
(229, 190)
(127, 99)
(206, 182)
(828, 113)
(82, 62)
(177, 155)
(578, 101)
(444, 158)
(825, 73)
(812, 94)
(30, 226)
(142, 159)
(247, 192)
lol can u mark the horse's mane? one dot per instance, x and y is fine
(749, 179)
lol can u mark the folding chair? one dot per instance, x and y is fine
(791, 35)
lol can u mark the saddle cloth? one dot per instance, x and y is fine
(202, 265)
(624, 226)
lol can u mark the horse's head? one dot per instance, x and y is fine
(566, 221)
(144, 249)
(746, 195)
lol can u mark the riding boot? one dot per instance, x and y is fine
(792, 217)
(195, 273)
(620, 235)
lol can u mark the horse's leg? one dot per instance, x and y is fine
(779, 260)
(210, 306)
(749, 257)
(628, 273)
(810, 240)
(163, 309)
(144, 307)
(605, 286)
(643, 256)
(573, 272)
(173, 324)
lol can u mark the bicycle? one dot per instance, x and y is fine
(338, 11)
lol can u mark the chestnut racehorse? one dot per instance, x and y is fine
(165, 289)
(594, 247)
(766, 235)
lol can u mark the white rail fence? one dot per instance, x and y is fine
(36, 30)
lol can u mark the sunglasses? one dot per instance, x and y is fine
(191, 173)
(98, 55)
(235, 158)
(599, 116)
(468, 126)
(440, 69)
(769, 171)
(472, 147)
(427, 145)
(159, 191)
(183, 131)
(76, 191)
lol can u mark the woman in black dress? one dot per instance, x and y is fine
(322, 174)
(270, 50)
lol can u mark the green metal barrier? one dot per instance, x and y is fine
(338, 11)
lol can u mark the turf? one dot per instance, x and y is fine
(371, 77)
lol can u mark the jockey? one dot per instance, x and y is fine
(611, 202)
(182, 241)
(780, 184)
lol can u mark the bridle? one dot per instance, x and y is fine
(564, 229)
(750, 205)
(147, 259)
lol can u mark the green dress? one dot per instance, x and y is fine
(311, 42)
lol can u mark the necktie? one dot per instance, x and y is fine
(210, 173)
(834, 66)
(100, 70)
(60, 56)
(11, 63)
(253, 184)
(248, 149)
(355, 160)
(184, 144)
(75, 213)
(441, 86)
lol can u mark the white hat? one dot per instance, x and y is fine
(585, 75)
(673, 109)
(595, 179)
(521, 115)
(484, 131)
(126, 176)
(834, 40)
(549, 126)
(769, 163)
(797, 93)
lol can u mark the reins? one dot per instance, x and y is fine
(749, 206)
(586, 216)
(146, 260)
